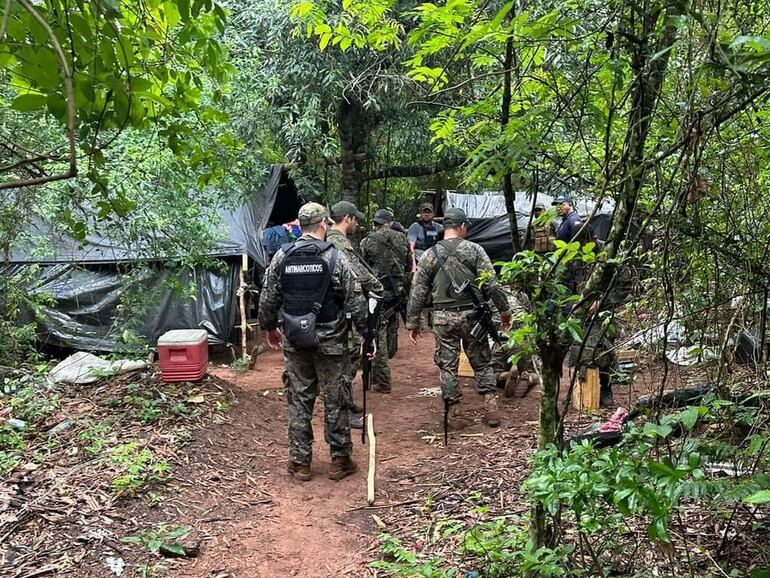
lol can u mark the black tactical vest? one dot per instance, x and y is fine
(429, 237)
(303, 277)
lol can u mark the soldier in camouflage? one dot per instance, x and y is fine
(524, 375)
(445, 272)
(325, 364)
(346, 218)
(387, 253)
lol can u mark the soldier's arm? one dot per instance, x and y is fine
(271, 298)
(421, 287)
(353, 298)
(408, 259)
(492, 288)
(369, 283)
(366, 251)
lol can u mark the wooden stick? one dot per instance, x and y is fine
(244, 325)
(372, 448)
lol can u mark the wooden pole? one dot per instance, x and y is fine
(372, 447)
(242, 292)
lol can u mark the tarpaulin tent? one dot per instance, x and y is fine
(489, 226)
(84, 276)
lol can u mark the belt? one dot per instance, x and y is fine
(457, 309)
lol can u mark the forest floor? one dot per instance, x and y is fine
(247, 517)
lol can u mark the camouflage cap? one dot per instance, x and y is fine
(310, 213)
(455, 217)
(383, 216)
(426, 207)
(346, 208)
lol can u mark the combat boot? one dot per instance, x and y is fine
(357, 409)
(456, 419)
(342, 467)
(511, 382)
(491, 413)
(300, 471)
(530, 380)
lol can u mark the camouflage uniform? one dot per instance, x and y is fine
(388, 254)
(307, 370)
(501, 354)
(599, 336)
(453, 314)
(367, 283)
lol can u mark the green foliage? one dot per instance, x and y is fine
(148, 404)
(136, 468)
(498, 549)
(17, 333)
(150, 570)
(94, 436)
(98, 68)
(163, 536)
(33, 404)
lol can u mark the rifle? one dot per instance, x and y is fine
(485, 325)
(372, 306)
(395, 306)
(446, 422)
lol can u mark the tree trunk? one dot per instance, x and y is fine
(351, 125)
(505, 116)
(552, 355)
(648, 80)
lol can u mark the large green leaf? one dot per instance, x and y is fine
(29, 102)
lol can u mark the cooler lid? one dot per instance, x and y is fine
(183, 337)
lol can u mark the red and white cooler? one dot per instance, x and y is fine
(183, 354)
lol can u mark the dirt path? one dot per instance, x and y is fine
(255, 520)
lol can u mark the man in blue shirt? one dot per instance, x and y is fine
(570, 220)
(423, 234)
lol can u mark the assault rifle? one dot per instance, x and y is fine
(396, 306)
(446, 422)
(485, 324)
(372, 309)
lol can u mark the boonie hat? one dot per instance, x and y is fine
(346, 208)
(382, 216)
(426, 207)
(559, 199)
(310, 213)
(455, 216)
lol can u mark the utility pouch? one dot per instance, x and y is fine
(300, 330)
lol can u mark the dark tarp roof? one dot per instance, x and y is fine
(240, 231)
(84, 280)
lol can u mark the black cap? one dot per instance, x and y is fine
(559, 199)
(382, 216)
(455, 217)
(346, 208)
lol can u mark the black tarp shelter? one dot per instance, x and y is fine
(87, 278)
(489, 226)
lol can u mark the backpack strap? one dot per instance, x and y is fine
(324, 290)
(459, 288)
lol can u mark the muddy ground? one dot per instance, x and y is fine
(250, 518)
